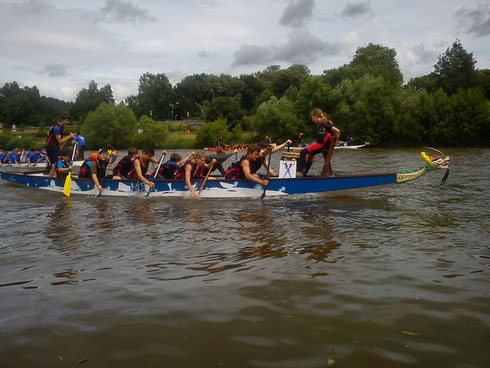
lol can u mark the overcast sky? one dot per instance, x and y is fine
(61, 45)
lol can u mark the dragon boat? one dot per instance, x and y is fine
(220, 188)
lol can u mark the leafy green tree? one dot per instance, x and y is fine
(88, 99)
(277, 119)
(376, 60)
(333, 77)
(252, 87)
(265, 96)
(294, 76)
(19, 108)
(154, 95)
(227, 107)
(364, 109)
(455, 69)
(414, 116)
(470, 118)
(191, 93)
(313, 94)
(428, 82)
(109, 125)
(149, 133)
(210, 132)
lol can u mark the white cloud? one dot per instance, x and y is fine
(61, 45)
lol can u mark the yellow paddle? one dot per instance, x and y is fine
(67, 186)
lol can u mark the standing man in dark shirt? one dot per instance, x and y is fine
(54, 141)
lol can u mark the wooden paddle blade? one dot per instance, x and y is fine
(67, 186)
(205, 180)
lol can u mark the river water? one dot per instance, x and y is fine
(395, 276)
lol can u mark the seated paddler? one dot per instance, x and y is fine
(193, 169)
(243, 168)
(95, 167)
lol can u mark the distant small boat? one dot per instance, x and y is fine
(336, 147)
(216, 149)
(344, 146)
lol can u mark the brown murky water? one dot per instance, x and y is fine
(397, 276)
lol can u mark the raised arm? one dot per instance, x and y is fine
(281, 146)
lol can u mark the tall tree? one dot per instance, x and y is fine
(88, 99)
(155, 96)
(455, 69)
(377, 60)
(109, 125)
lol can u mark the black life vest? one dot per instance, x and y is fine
(144, 169)
(324, 132)
(167, 171)
(235, 171)
(51, 140)
(87, 170)
(123, 167)
(195, 171)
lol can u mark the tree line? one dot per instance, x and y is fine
(366, 99)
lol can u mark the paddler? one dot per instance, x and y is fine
(242, 169)
(125, 165)
(192, 169)
(170, 169)
(63, 164)
(95, 167)
(141, 165)
(266, 148)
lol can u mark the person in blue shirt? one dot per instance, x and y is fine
(63, 165)
(170, 168)
(33, 156)
(79, 140)
(14, 157)
(42, 155)
(3, 156)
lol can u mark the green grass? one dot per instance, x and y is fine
(178, 140)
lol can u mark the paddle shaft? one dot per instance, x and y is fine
(205, 180)
(268, 173)
(73, 153)
(159, 165)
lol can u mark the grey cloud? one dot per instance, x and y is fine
(125, 11)
(252, 54)
(476, 21)
(356, 9)
(296, 13)
(423, 54)
(205, 54)
(301, 48)
(55, 70)
(33, 7)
